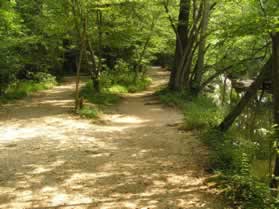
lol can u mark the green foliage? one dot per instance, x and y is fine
(247, 192)
(173, 98)
(131, 35)
(232, 157)
(123, 80)
(139, 85)
(42, 77)
(104, 98)
(200, 112)
(223, 154)
(24, 88)
(230, 154)
(117, 89)
(89, 112)
(113, 85)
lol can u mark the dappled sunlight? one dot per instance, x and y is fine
(130, 159)
(61, 199)
(57, 102)
(124, 119)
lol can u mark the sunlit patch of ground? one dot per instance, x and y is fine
(50, 158)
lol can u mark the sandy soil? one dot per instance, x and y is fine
(137, 158)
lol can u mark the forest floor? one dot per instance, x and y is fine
(135, 157)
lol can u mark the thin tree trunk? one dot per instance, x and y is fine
(82, 50)
(79, 20)
(275, 89)
(94, 72)
(251, 92)
(142, 54)
(96, 82)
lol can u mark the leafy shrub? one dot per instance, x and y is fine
(89, 112)
(42, 77)
(117, 89)
(172, 98)
(24, 88)
(123, 80)
(113, 83)
(247, 192)
(103, 98)
(222, 154)
(139, 85)
(200, 112)
(230, 153)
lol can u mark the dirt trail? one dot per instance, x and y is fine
(137, 159)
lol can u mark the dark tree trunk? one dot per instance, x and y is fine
(181, 39)
(96, 85)
(251, 93)
(275, 87)
(196, 83)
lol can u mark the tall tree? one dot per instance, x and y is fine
(181, 41)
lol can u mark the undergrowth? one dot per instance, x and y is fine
(89, 112)
(113, 85)
(199, 112)
(230, 155)
(23, 88)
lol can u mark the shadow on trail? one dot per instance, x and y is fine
(44, 104)
(133, 160)
(101, 176)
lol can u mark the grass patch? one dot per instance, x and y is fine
(21, 89)
(110, 94)
(199, 112)
(139, 85)
(117, 89)
(89, 112)
(104, 98)
(126, 86)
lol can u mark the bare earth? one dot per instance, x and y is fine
(136, 158)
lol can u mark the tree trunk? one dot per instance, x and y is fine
(275, 89)
(82, 50)
(251, 92)
(94, 71)
(96, 82)
(78, 63)
(195, 86)
(181, 40)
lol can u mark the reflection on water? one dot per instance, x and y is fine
(253, 128)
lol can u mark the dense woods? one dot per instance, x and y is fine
(223, 58)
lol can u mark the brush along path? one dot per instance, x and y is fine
(136, 158)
